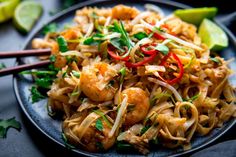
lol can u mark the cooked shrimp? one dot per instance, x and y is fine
(124, 12)
(94, 81)
(138, 105)
(87, 135)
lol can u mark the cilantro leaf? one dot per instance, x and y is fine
(162, 48)
(140, 35)
(99, 125)
(2, 66)
(119, 27)
(6, 124)
(36, 95)
(52, 58)
(44, 82)
(51, 28)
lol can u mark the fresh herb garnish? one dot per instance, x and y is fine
(95, 39)
(36, 95)
(140, 35)
(119, 27)
(123, 73)
(76, 74)
(51, 28)
(216, 60)
(71, 59)
(44, 82)
(98, 112)
(123, 146)
(69, 146)
(99, 125)
(162, 48)
(52, 58)
(117, 43)
(2, 66)
(144, 129)
(94, 15)
(6, 124)
(192, 98)
(63, 47)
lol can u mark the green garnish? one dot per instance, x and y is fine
(103, 117)
(216, 60)
(65, 140)
(144, 129)
(6, 124)
(94, 15)
(123, 73)
(76, 74)
(44, 82)
(123, 146)
(95, 39)
(140, 35)
(63, 47)
(2, 66)
(52, 58)
(40, 73)
(51, 28)
(162, 48)
(36, 95)
(119, 27)
(117, 43)
(99, 125)
(192, 98)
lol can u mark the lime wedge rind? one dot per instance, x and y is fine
(7, 8)
(26, 15)
(196, 15)
(212, 35)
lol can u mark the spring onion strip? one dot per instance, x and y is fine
(169, 36)
(136, 46)
(119, 116)
(154, 8)
(139, 17)
(172, 89)
(110, 36)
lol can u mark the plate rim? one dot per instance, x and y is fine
(92, 2)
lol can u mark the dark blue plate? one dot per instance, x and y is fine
(37, 113)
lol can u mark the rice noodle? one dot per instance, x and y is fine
(139, 17)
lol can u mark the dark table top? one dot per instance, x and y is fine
(30, 142)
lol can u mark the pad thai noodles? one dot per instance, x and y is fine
(135, 77)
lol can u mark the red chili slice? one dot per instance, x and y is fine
(145, 49)
(111, 49)
(180, 65)
(144, 61)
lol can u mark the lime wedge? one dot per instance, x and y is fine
(26, 14)
(212, 35)
(196, 15)
(7, 8)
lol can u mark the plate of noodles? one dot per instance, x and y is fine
(128, 79)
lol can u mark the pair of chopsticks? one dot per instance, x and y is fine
(24, 53)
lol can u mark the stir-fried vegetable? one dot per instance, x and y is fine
(63, 47)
